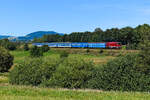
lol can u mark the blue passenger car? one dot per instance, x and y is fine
(51, 44)
(64, 45)
(79, 45)
(73, 45)
(96, 45)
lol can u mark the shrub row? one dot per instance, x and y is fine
(119, 74)
(67, 73)
(71, 73)
(33, 71)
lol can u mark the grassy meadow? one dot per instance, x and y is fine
(13, 92)
(55, 52)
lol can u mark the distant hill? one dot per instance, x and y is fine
(37, 34)
(4, 37)
(30, 36)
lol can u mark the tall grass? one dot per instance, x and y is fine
(33, 93)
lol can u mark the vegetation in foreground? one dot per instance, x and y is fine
(32, 93)
(12, 92)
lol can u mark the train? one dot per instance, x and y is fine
(115, 45)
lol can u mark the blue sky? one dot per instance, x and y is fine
(20, 17)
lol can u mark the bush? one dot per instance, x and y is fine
(6, 60)
(101, 51)
(132, 46)
(26, 47)
(45, 48)
(87, 50)
(64, 54)
(36, 52)
(33, 71)
(8, 45)
(72, 73)
(120, 74)
(11, 46)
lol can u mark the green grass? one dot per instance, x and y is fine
(34, 93)
(20, 56)
(4, 78)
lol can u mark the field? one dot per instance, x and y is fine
(93, 55)
(54, 53)
(12, 92)
(9, 92)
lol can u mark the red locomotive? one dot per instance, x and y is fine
(113, 45)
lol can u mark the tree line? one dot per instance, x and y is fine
(127, 36)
